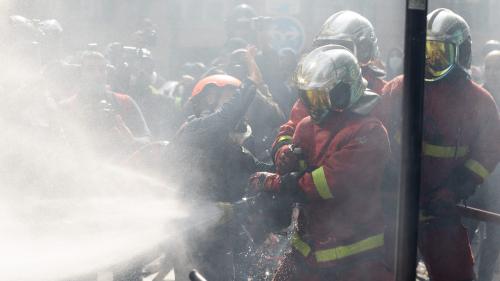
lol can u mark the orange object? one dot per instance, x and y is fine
(219, 80)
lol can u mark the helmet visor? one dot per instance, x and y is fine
(440, 57)
(317, 102)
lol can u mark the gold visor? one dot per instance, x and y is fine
(317, 102)
(440, 57)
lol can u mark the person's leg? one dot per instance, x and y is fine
(444, 246)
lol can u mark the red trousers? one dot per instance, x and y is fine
(445, 248)
(293, 268)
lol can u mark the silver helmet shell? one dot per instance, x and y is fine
(325, 69)
(446, 26)
(351, 30)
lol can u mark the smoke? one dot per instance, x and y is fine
(65, 211)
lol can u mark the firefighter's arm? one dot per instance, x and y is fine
(287, 130)
(358, 164)
(485, 152)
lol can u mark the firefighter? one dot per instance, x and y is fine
(348, 29)
(340, 234)
(461, 130)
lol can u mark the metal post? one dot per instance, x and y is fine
(408, 205)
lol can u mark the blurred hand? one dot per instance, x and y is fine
(254, 72)
(264, 181)
(286, 160)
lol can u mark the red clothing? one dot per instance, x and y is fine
(342, 187)
(299, 112)
(461, 129)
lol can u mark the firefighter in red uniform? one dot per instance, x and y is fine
(461, 143)
(340, 233)
(355, 32)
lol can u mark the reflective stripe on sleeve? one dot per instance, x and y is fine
(477, 168)
(300, 245)
(439, 151)
(321, 184)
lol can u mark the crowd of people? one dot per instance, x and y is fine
(312, 140)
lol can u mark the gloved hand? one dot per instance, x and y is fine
(286, 161)
(270, 182)
(461, 183)
(264, 181)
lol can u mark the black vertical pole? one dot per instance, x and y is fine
(408, 205)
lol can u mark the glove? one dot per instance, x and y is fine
(286, 160)
(270, 182)
(461, 183)
(264, 181)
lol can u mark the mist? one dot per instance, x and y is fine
(76, 202)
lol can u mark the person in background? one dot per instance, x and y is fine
(394, 63)
(264, 116)
(111, 124)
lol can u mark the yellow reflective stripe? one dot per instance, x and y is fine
(284, 138)
(350, 250)
(300, 245)
(397, 137)
(424, 218)
(444, 151)
(302, 165)
(154, 90)
(477, 168)
(321, 184)
(178, 102)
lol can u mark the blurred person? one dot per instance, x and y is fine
(244, 22)
(461, 130)
(231, 45)
(264, 116)
(394, 63)
(340, 232)
(111, 123)
(489, 46)
(145, 85)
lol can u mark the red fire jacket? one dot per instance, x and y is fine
(343, 216)
(461, 128)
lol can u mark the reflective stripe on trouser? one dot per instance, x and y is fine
(321, 183)
(477, 168)
(337, 253)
